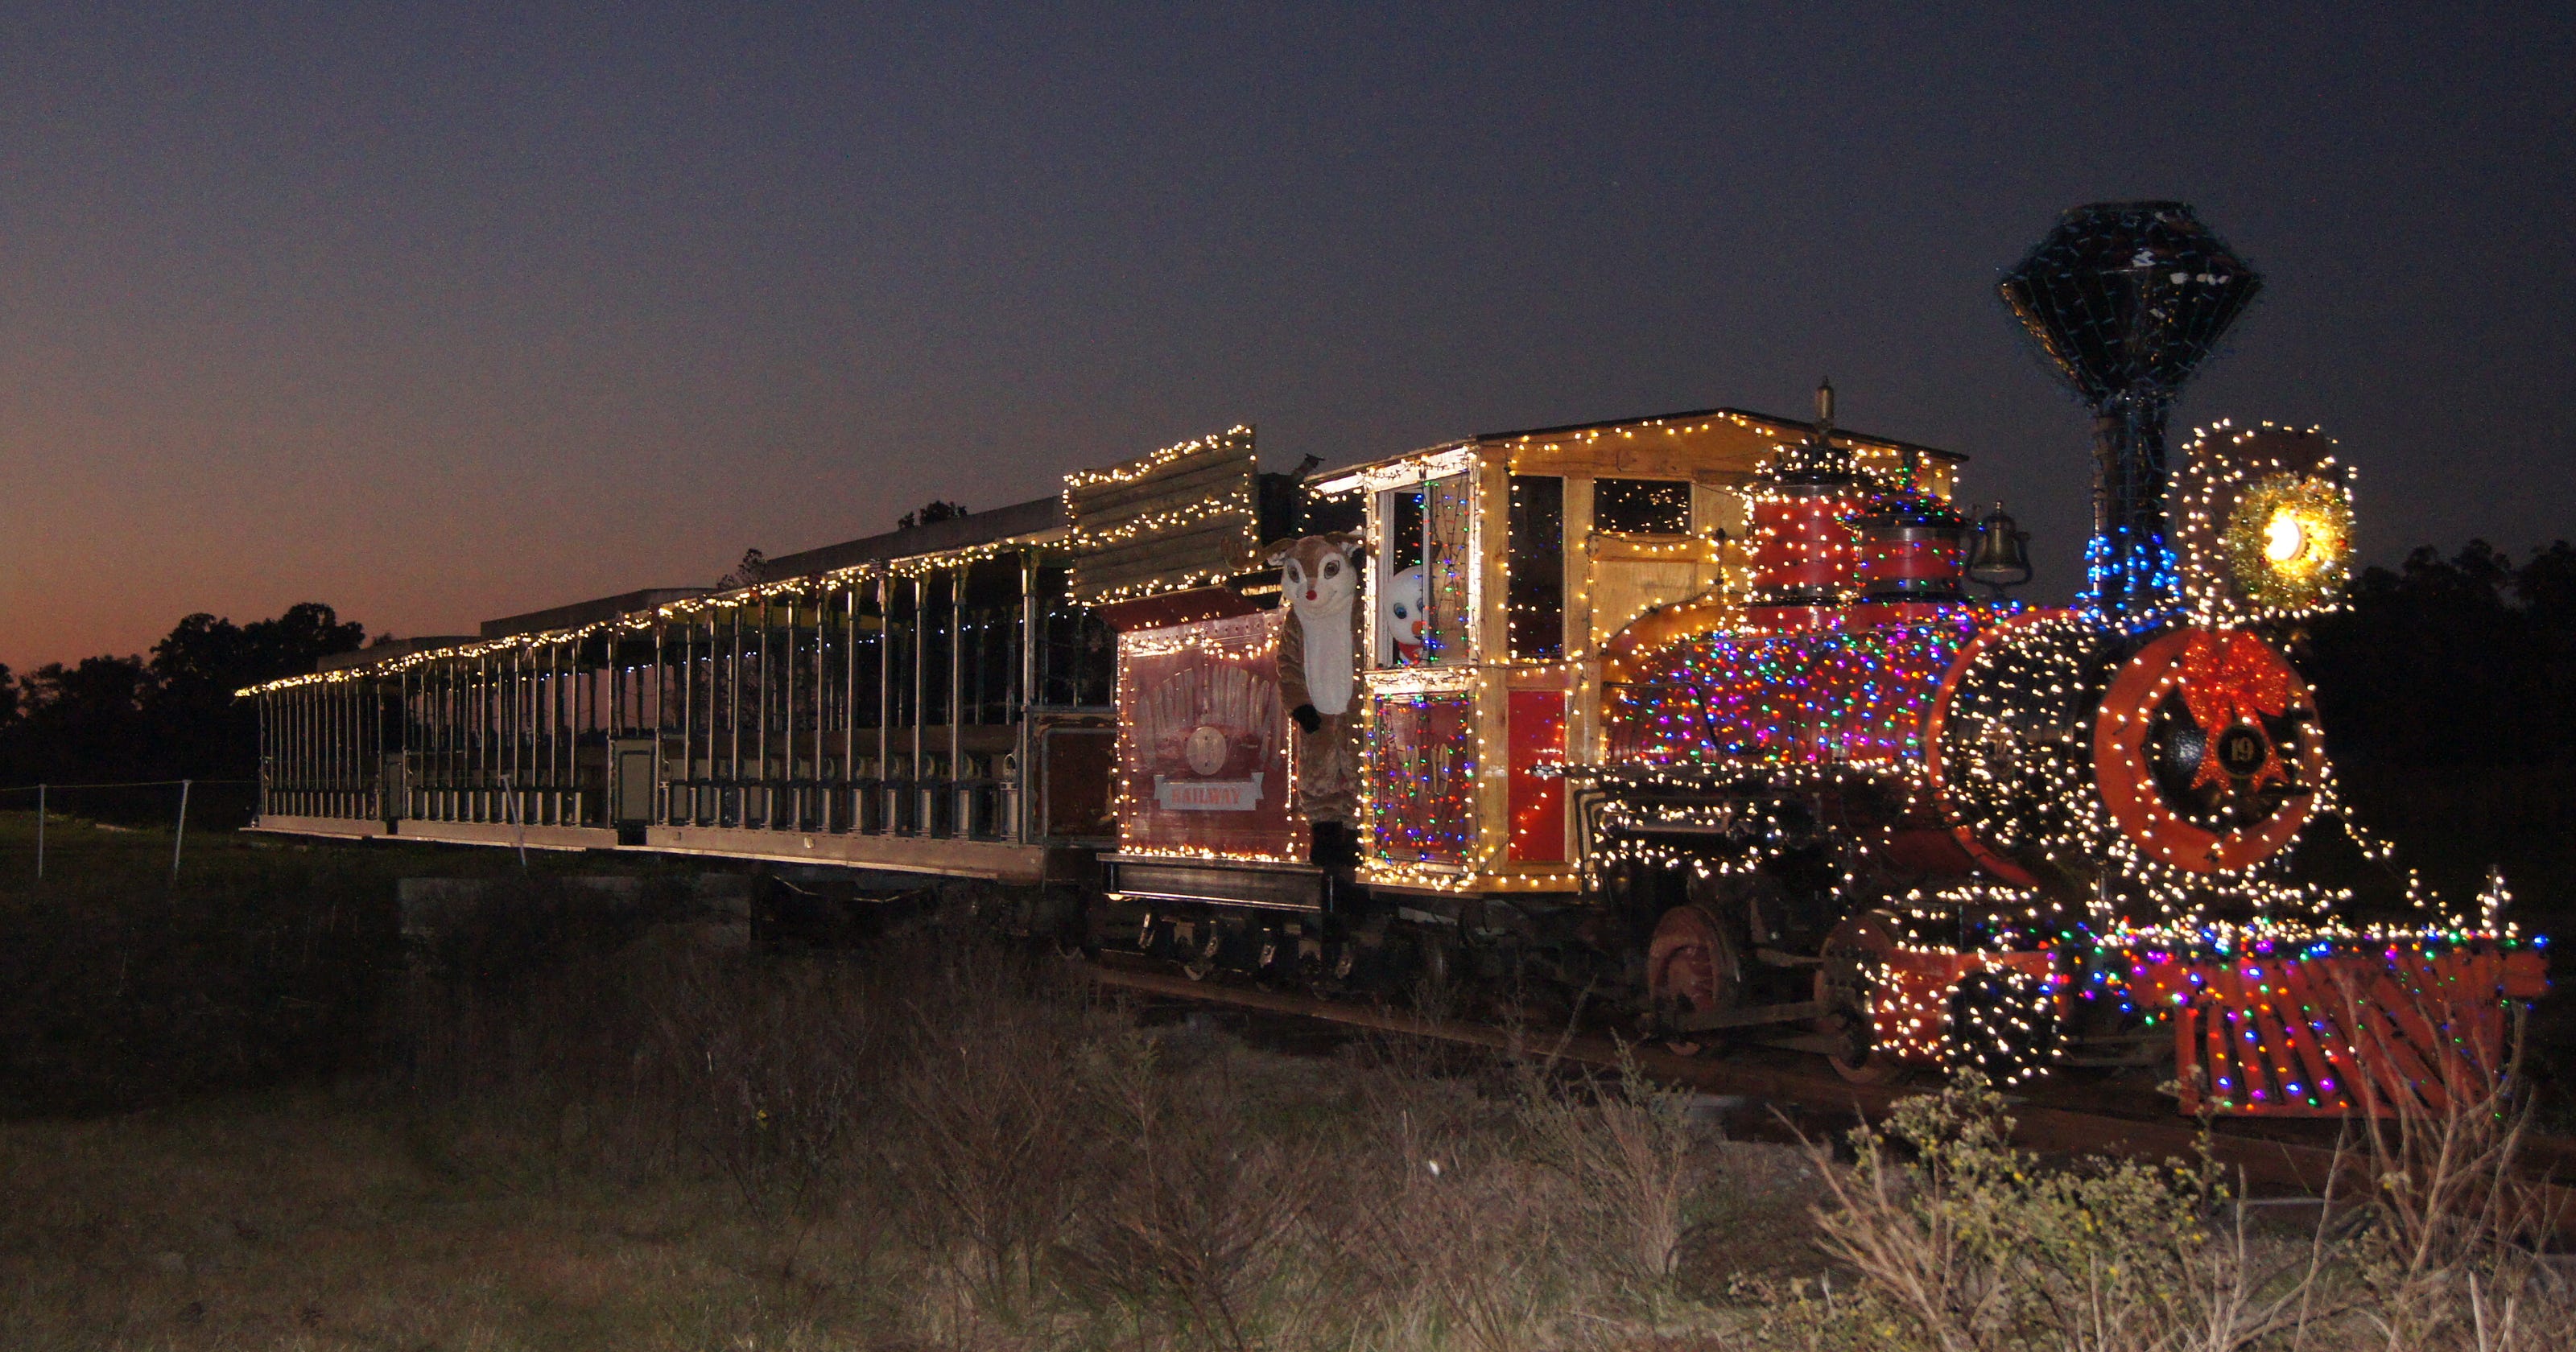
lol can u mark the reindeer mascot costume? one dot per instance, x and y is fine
(1319, 664)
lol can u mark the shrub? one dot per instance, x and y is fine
(1963, 1242)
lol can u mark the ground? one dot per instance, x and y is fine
(316, 1219)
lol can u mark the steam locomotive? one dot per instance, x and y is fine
(1745, 761)
(1693, 724)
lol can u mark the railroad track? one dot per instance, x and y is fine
(2267, 1161)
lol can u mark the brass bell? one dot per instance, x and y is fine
(2000, 557)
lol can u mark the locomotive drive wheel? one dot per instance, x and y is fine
(1859, 944)
(1691, 968)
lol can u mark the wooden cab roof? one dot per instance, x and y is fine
(1709, 445)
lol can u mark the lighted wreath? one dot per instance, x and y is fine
(2289, 541)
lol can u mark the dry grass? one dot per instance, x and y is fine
(936, 1144)
(644, 1143)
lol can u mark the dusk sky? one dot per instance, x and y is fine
(437, 313)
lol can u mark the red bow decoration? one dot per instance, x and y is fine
(2231, 679)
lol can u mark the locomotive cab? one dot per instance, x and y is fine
(1503, 584)
(1508, 568)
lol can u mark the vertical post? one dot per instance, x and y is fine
(760, 721)
(435, 729)
(816, 807)
(1024, 744)
(569, 679)
(685, 664)
(575, 682)
(40, 832)
(408, 726)
(785, 779)
(920, 688)
(559, 697)
(707, 697)
(438, 705)
(179, 838)
(850, 705)
(733, 715)
(960, 815)
(666, 810)
(885, 694)
(532, 731)
(523, 711)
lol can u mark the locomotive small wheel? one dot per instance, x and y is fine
(1199, 951)
(1842, 987)
(1691, 968)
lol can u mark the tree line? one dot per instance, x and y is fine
(171, 715)
(2468, 659)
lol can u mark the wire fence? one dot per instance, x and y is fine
(46, 797)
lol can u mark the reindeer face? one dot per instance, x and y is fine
(1320, 575)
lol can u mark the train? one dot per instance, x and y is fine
(1717, 728)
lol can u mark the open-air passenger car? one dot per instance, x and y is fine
(928, 700)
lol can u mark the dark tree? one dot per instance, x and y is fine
(751, 571)
(290, 644)
(206, 733)
(83, 721)
(174, 716)
(931, 513)
(2458, 661)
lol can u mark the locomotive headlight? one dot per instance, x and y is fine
(2289, 541)
(2285, 537)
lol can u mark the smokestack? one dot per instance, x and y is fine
(2127, 299)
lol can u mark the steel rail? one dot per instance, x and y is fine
(2258, 1160)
